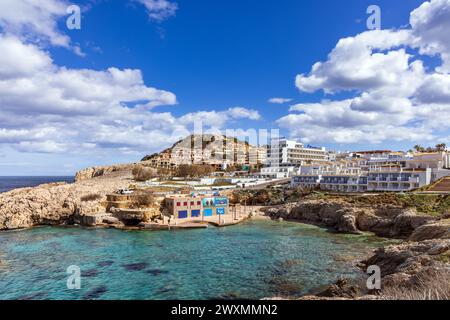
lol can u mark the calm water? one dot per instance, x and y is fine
(253, 260)
(9, 183)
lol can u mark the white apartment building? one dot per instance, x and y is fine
(396, 172)
(278, 172)
(398, 179)
(289, 152)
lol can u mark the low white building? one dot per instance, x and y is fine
(380, 171)
(398, 179)
(278, 172)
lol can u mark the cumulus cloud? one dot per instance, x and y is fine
(51, 109)
(356, 63)
(218, 119)
(393, 95)
(160, 10)
(34, 20)
(430, 24)
(243, 113)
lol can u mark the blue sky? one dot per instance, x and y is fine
(212, 56)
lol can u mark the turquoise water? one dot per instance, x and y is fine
(250, 261)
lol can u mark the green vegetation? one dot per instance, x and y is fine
(268, 196)
(432, 204)
(438, 148)
(444, 257)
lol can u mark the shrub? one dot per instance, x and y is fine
(141, 173)
(143, 199)
(427, 286)
(91, 197)
(194, 171)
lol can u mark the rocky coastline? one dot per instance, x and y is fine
(58, 203)
(417, 268)
(422, 259)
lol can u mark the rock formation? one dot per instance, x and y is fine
(57, 203)
(93, 172)
(385, 221)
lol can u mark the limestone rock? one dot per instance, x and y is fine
(56, 203)
(342, 289)
(89, 173)
(438, 229)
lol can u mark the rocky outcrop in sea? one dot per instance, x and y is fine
(383, 220)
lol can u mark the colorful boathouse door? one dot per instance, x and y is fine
(182, 214)
(207, 212)
(195, 213)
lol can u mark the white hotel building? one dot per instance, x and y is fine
(285, 157)
(391, 172)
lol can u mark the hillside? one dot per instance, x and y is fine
(206, 149)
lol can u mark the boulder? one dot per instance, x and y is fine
(405, 223)
(341, 289)
(111, 220)
(347, 224)
(434, 230)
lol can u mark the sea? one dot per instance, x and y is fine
(253, 260)
(9, 183)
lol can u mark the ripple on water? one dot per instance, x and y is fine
(136, 266)
(253, 260)
(95, 293)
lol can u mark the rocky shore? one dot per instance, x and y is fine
(418, 268)
(58, 203)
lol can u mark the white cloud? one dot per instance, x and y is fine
(430, 24)
(160, 10)
(219, 119)
(339, 122)
(51, 109)
(34, 20)
(18, 59)
(243, 113)
(280, 100)
(393, 96)
(356, 63)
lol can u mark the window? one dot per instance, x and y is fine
(192, 203)
(198, 203)
(185, 204)
(178, 204)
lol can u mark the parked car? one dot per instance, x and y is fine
(124, 191)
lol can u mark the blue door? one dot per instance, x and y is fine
(182, 214)
(207, 212)
(220, 211)
(195, 213)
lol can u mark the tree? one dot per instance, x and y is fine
(441, 147)
(194, 171)
(141, 173)
(164, 172)
(419, 148)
